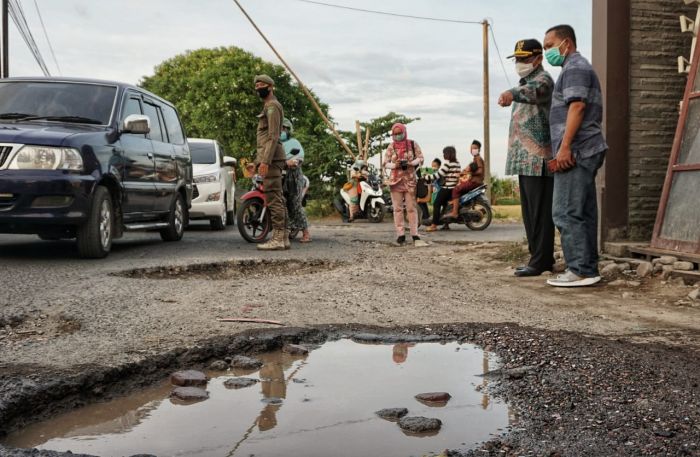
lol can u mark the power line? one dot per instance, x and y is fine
(500, 59)
(46, 35)
(387, 13)
(20, 20)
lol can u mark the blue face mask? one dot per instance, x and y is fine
(554, 56)
(284, 136)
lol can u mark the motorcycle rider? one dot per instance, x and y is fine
(471, 178)
(294, 181)
(358, 172)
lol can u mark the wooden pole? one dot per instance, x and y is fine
(5, 71)
(487, 127)
(366, 146)
(301, 84)
(358, 131)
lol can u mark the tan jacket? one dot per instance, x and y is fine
(269, 147)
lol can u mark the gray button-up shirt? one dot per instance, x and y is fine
(578, 82)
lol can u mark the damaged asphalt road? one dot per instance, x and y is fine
(595, 373)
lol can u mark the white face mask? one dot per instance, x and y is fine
(524, 69)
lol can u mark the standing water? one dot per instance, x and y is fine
(319, 404)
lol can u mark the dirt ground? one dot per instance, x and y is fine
(61, 314)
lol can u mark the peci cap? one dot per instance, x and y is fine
(264, 79)
(527, 48)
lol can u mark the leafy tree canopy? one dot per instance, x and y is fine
(213, 92)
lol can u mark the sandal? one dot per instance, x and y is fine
(432, 228)
(306, 240)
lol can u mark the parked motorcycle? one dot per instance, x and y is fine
(474, 210)
(253, 217)
(372, 204)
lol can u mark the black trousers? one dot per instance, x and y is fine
(442, 199)
(536, 203)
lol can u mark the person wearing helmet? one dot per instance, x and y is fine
(294, 182)
(358, 172)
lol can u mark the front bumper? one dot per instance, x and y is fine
(202, 208)
(38, 201)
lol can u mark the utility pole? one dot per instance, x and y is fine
(487, 127)
(5, 70)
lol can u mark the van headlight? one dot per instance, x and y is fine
(47, 158)
(203, 179)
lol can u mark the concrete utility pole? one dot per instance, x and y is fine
(487, 127)
(5, 73)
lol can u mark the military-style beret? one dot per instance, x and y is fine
(264, 79)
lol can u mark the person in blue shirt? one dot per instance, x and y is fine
(294, 182)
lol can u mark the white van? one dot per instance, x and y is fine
(214, 177)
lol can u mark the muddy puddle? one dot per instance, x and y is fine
(233, 269)
(320, 404)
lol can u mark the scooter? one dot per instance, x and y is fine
(372, 204)
(474, 210)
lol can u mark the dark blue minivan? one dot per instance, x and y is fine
(90, 159)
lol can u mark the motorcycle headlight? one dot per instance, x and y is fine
(214, 177)
(47, 158)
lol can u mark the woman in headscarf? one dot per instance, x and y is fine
(294, 182)
(402, 158)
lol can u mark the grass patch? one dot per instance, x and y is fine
(319, 208)
(507, 201)
(507, 212)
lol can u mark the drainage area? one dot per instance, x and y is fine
(320, 403)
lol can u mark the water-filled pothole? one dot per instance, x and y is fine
(234, 269)
(319, 404)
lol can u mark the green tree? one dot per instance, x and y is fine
(213, 92)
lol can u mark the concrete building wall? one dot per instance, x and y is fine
(655, 89)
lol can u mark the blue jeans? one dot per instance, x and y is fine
(575, 213)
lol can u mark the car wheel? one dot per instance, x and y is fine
(176, 220)
(219, 222)
(95, 235)
(231, 215)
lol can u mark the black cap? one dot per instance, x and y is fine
(527, 48)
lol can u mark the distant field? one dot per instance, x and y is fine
(507, 212)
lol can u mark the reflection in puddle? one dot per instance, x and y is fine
(320, 404)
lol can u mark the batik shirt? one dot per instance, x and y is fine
(529, 143)
(578, 83)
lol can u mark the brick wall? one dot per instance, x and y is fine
(656, 87)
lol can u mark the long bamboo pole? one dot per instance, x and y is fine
(358, 131)
(366, 146)
(301, 84)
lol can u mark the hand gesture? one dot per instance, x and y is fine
(506, 99)
(565, 158)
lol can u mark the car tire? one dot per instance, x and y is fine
(219, 222)
(231, 215)
(94, 237)
(176, 220)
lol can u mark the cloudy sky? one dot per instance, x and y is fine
(362, 65)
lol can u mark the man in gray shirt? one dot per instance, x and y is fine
(579, 150)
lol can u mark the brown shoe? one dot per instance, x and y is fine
(276, 243)
(432, 228)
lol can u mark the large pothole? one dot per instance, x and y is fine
(234, 269)
(343, 398)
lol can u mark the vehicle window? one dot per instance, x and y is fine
(203, 153)
(172, 125)
(131, 106)
(152, 112)
(58, 99)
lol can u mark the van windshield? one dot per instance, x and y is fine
(57, 101)
(203, 153)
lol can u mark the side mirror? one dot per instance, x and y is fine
(136, 123)
(230, 161)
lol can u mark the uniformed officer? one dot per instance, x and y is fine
(270, 160)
